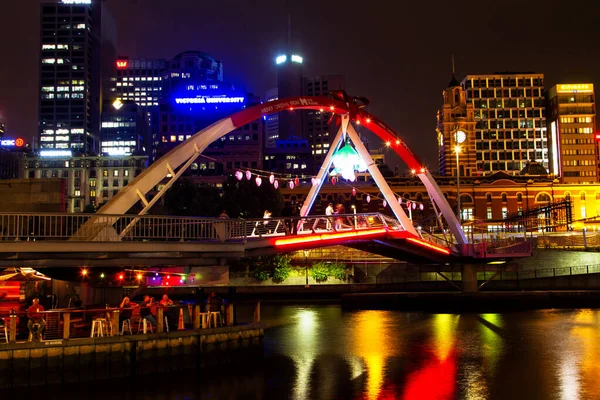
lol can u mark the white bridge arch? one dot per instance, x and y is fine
(175, 162)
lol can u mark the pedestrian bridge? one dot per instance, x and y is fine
(104, 240)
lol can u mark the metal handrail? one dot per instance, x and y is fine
(111, 228)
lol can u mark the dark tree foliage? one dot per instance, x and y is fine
(243, 199)
(187, 198)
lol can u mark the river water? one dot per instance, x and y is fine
(323, 352)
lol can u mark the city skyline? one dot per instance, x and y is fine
(371, 54)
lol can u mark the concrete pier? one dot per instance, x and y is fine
(75, 360)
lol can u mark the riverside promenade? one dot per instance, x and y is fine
(73, 350)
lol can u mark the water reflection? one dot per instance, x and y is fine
(319, 352)
(372, 343)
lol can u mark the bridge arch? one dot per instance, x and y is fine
(176, 161)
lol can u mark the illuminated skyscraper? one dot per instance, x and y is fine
(510, 129)
(572, 124)
(71, 70)
(289, 84)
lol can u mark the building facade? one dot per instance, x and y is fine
(89, 180)
(456, 133)
(123, 129)
(510, 121)
(289, 84)
(572, 124)
(70, 75)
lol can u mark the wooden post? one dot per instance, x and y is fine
(160, 320)
(197, 321)
(257, 312)
(66, 325)
(115, 323)
(12, 334)
(229, 314)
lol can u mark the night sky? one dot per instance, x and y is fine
(398, 54)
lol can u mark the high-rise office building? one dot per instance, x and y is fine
(123, 128)
(2, 129)
(271, 121)
(510, 129)
(572, 124)
(320, 131)
(289, 84)
(71, 70)
(140, 81)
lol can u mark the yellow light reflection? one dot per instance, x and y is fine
(444, 326)
(372, 343)
(306, 340)
(493, 343)
(583, 370)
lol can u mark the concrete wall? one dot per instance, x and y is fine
(543, 258)
(52, 362)
(32, 195)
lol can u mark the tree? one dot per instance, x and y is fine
(244, 199)
(187, 198)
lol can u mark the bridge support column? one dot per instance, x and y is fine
(469, 278)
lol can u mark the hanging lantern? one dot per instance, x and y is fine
(346, 160)
(248, 175)
(384, 204)
(421, 206)
(258, 180)
(272, 178)
(399, 200)
(291, 184)
(407, 205)
(368, 199)
(239, 175)
(276, 184)
(296, 181)
(333, 180)
(314, 181)
(414, 205)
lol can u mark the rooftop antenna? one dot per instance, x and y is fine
(453, 70)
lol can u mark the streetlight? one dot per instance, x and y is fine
(459, 136)
(457, 152)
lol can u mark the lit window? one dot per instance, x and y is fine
(48, 61)
(80, 26)
(48, 47)
(77, 193)
(116, 172)
(47, 88)
(173, 138)
(126, 172)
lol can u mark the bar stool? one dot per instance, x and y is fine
(99, 325)
(5, 329)
(145, 324)
(39, 334)
(216, 318)
(128, 323)
(204, 317)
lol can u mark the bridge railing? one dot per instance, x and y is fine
(108, 228)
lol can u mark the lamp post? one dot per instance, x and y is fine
(457, 151)
(459, 137)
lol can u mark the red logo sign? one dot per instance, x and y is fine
(597, 136)
(19, 142)
(122, 64)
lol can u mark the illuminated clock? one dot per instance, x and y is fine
(460, 136)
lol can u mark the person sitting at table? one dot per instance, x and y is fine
(36, 323)
(214, 303)
(166, 301)
(126, 311)
(146, 312)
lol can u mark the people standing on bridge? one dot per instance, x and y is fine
(267, 218)
(36, 323)
(339, 210)
(329, 213)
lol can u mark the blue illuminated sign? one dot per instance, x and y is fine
(209, 100)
